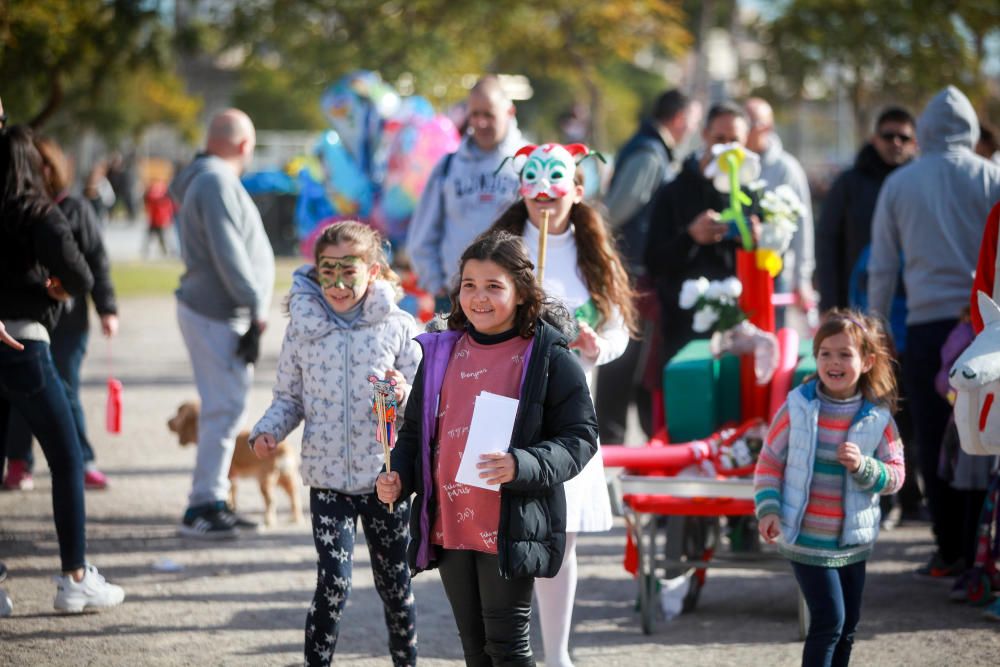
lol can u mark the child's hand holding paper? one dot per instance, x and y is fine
(485, 463)
(497, 468)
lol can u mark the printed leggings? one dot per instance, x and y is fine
(334, 519)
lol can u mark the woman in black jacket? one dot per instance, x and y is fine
(489, 540)
(69, 339)
(40, 265)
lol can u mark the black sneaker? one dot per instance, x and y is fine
(240, 523)
(206, 522)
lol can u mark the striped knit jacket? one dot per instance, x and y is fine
(829, 517)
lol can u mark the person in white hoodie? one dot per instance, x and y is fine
(929, 219)
(346, 328)
(466, 191)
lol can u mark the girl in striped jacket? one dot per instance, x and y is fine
(832, 449)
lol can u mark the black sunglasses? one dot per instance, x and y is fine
(889, 136)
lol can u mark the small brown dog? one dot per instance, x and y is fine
(282, 469)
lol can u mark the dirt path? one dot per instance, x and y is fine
(243, 603)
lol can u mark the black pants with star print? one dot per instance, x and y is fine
(334, 521)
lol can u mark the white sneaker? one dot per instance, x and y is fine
(91, 592)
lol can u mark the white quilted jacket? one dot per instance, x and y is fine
(322, 378)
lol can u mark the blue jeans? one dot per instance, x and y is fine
(30, 385)
(68, 350)
(833, 595)
(335, 524)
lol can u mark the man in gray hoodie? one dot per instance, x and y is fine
(779, 167)
(465, 193)
(929, 217)
(222, 304)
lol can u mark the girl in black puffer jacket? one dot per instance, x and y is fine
(490, 541)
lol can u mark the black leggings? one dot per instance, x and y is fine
(493, 614)
(334, 518)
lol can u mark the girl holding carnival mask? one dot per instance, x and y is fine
(584, 272)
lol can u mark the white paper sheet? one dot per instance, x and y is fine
(490, 431)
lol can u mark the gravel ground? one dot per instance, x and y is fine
(244, 602)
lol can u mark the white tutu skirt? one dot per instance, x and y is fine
(588, 507)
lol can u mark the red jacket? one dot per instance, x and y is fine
(159, 206)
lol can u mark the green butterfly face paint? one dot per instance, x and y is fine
(339, 274)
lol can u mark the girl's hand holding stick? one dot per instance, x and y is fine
(384, 406)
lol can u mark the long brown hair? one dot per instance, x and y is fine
(507, 251)
(23, 198)
(598, 260)
(878, 384)
(369, 243)
(56, 171)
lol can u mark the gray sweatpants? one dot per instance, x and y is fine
(223, 382)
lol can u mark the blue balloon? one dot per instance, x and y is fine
(352, 192)
(312, 205)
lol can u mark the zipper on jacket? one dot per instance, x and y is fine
(347, 408)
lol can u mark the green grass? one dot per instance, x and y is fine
(160, 278)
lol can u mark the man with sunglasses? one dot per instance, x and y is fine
(844, 229)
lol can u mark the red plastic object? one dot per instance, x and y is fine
(758, 288)
(788, 357)
(671, 506)
(670, 458)
(113, 412)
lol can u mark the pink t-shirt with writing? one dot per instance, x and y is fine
(467, 517)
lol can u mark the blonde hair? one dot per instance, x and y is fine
(878, 383)
(368, 242)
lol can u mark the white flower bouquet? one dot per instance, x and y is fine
(717, 309)
(715, 303)
(781, 211)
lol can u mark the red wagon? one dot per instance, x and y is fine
(674, 519)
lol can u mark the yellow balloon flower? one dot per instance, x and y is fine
(770, 261)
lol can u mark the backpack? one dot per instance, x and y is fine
(857, 297)
(634, 232)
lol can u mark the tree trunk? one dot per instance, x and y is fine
(52, 104)
(598, 126)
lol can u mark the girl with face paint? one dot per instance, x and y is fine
(345, 326)
(584, 272)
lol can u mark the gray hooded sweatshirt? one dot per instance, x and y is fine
(778, 167)
(464, 195)
(930, 216)
(228, 260)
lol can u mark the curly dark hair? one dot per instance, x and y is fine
(508, 252)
